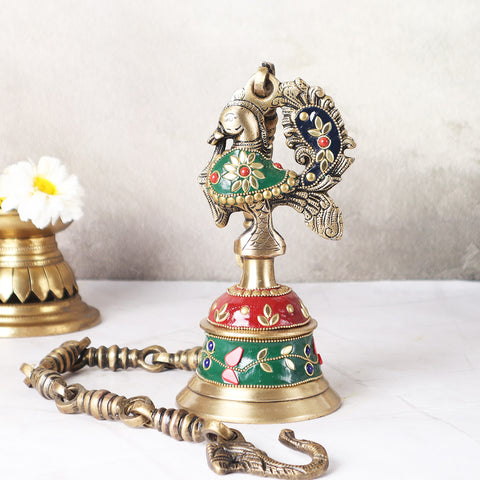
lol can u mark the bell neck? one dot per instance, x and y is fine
(257, 273)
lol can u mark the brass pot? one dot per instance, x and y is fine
(38, 291)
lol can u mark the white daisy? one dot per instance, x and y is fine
(42, 193)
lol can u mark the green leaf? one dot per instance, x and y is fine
(262, 320)
(318, 123)
(314, 132)
(266, 367)
(286, 350)
(274, 320)
(224, 308)
(304, 310)
(236, 185)
(290, 364)
(267, 310)
(262, 354)
(329, 155)
(246, 185)
(326, 128)
(258, 174)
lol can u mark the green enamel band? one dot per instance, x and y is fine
(259, 363)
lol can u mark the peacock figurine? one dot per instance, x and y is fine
(244, 177)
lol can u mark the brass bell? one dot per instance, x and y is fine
(259, 363)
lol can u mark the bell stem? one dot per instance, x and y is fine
(257, 273)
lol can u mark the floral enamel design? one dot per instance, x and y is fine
(325, 156)
(221, 314)
(285, 352)
(267, 319)
(266, 362)
(261, 355)
(243, 171)
(232, 359)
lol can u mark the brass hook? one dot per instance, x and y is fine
(237, 455)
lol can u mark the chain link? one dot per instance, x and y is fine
(137, 411)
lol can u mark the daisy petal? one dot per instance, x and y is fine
(236, 185)
(243, 157)
(230, 176)
(256, 165)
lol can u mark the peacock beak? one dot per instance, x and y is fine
(217, 135)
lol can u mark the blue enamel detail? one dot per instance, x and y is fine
(333, 135)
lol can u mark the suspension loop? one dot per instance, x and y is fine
(137, 412)
(217, 431)
(183, 359)
(152, 365)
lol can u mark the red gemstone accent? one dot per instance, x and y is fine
(278, 165)
(244, 171)
(230, 376)
(214, 177)
(323, 142)
(233, 358)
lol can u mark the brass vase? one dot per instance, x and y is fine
(38, 291)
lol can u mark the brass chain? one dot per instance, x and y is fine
(227, 449)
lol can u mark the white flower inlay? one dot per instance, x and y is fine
(244, 170)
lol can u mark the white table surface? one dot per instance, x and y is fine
(404, 357)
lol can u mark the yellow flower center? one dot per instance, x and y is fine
(45, 186)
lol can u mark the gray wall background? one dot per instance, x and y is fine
(127, 92)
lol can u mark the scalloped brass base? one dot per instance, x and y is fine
(259, 405)
(46, 318)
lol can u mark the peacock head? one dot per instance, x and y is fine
(238, 123)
